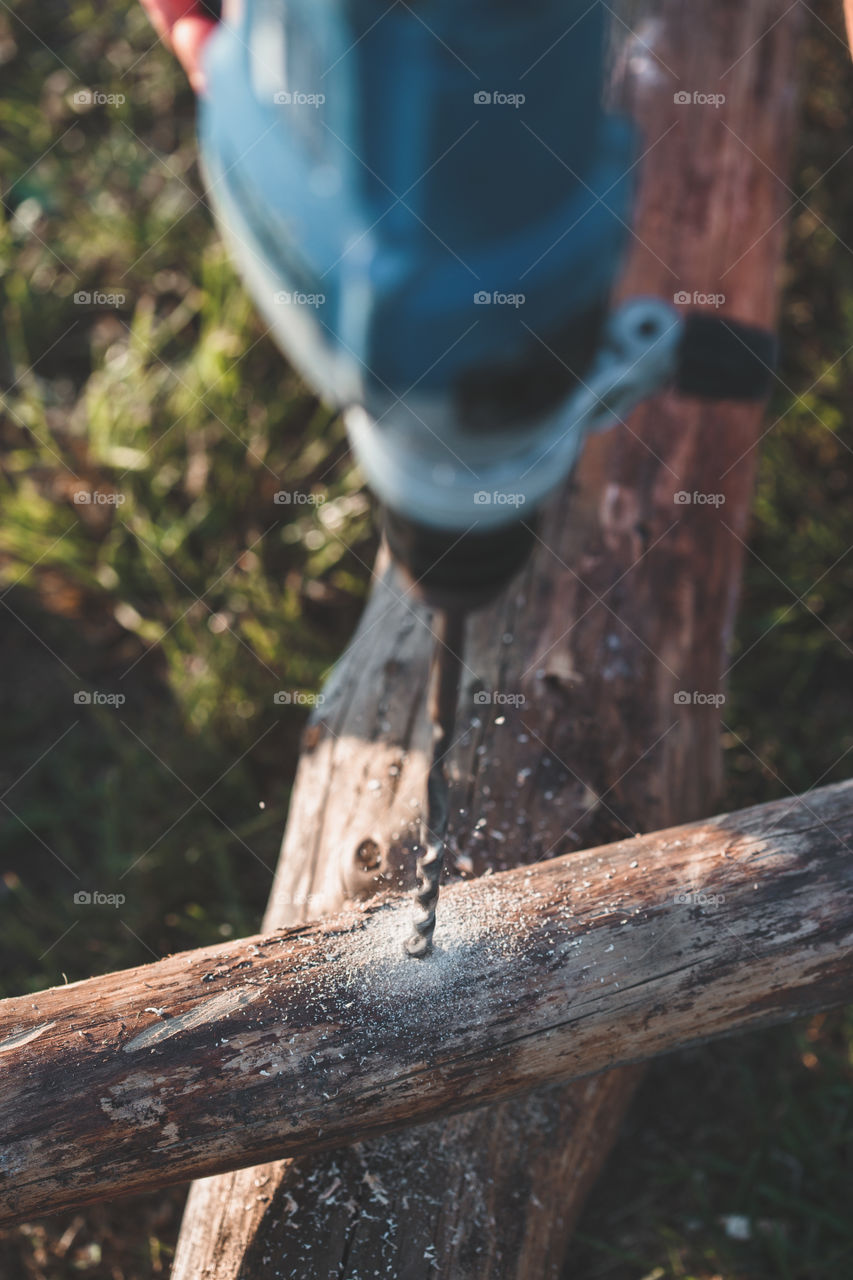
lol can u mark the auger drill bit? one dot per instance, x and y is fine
(444, 695)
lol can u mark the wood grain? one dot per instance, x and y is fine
(327, 1033)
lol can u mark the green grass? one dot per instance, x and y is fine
(197, 597)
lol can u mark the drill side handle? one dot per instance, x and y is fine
(723, 359)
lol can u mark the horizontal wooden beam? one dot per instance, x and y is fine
(326, 1033)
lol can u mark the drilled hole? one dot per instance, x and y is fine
(368, 855)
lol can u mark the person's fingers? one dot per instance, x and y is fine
(185, 27)
(189, 36)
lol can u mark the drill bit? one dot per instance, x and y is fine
(444, 694)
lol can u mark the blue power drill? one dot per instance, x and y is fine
(430, 204)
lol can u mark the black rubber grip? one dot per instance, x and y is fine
(453, 571)
(722, 359)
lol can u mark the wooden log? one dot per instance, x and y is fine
(619, 609)
(328, 1033)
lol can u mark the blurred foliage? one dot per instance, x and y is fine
(734, 1163)
(196, 597)
(181, 585)
(792, 672)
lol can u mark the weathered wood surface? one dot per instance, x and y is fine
(327, 1033)
(630, 600)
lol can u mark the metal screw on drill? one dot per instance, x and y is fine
(444, 695)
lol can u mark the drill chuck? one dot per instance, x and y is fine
(451, 570)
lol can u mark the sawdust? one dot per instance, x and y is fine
(473, 940)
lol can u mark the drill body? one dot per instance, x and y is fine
(429, 205)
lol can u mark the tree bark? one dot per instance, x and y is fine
(628, 600)
(327, 1033)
